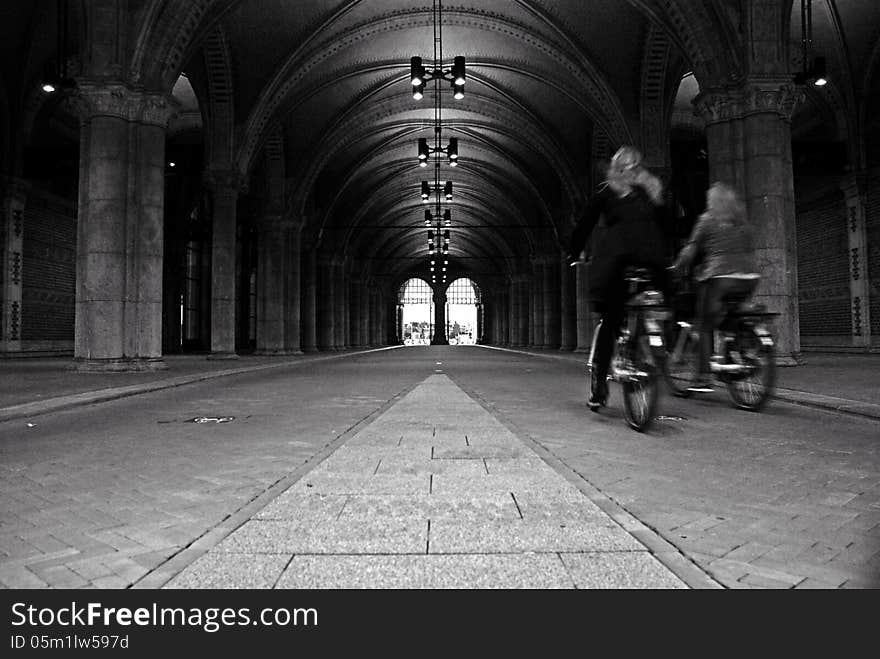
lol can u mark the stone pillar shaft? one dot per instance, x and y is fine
(293, 316)
(582, 309)
(120, 239)
(568, 306)
(308, 303)
(552, 326)
(439, 338)
(223, 271)
(748, 134)
(271, 293)
(525, 308)
(339, 307)
(325, 302)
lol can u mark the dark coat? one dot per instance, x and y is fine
(629, 234)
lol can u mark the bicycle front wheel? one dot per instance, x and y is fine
(752, 390)
(640, 394)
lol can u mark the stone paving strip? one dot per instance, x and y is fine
(434, 493)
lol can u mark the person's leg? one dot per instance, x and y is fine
(706, 302)
(612, 317)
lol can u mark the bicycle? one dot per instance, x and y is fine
(639, 352)
(746, 362)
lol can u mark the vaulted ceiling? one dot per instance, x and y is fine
(315, 97)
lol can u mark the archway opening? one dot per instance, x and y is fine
(462, 312)
(416, 303)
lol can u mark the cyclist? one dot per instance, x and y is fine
(626, 209)
(721, 241)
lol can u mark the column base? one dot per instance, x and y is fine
(222, 355)
(121, 365)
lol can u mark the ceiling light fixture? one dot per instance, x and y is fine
(813, 70)
(419, 77)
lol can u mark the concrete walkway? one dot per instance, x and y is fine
(421, 496)
(432, 497)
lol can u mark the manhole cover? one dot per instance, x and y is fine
(212, 419)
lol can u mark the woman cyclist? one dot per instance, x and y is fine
(722, 242)
(628, 204)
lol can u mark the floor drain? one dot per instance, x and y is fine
(212, 419)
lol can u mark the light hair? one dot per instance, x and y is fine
(626, 172)
(724, 203)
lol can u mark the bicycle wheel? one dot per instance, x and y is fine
(640, 393)
(751, 390)
(681, 362)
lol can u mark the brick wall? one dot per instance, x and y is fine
(823, 266)
(48, 268)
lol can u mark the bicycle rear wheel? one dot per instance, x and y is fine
(640, 394)
(680, 364)
(752, 390)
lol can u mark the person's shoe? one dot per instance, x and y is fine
(598, 396)
(701, 385)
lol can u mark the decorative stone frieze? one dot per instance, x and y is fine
(122, 102)
(756, 96)
(225, 179)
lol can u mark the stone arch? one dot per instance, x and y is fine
(173, 28)
(221, 106)
(310, 54)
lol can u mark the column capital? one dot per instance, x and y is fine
(220, 179)
(754, 96)
(93, 99)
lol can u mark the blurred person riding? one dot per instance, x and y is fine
(626, 208)
(720, 245)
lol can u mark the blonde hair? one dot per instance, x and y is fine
(625, 172)
(724, 203)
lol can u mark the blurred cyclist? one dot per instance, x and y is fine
(627, 204)
(721, 243)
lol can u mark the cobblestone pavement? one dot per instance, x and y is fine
(132, 492)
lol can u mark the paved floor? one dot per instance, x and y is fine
(406, 493)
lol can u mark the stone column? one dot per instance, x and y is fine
(537, 306)
(11, 251)
(225, 186)
(567, 305)
(854, 192)
(293, 287)
(513, 311)
(120, 228)
(340, 308)
(278, 286)
(271, 294)
(439, 338)
(504, 317)
(325, 303)
(552, 323)
(748, 132)
(308, 306)
(583, 310)
(525, 309)
(354, 313)
(365, 315)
